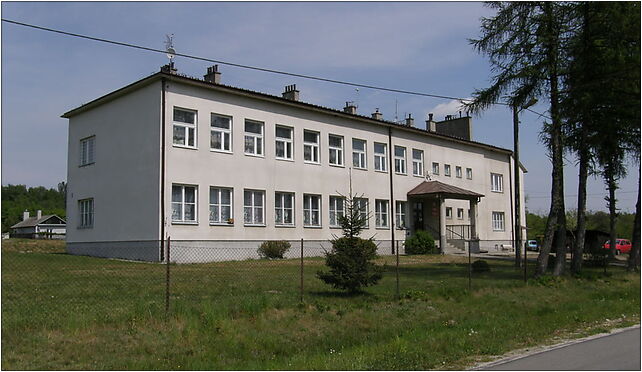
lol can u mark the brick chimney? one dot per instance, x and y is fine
(38, 214)
(350, 108)
(169, 68)
(291, 93)
(25, 215)
(410, 121)
(377, 115)
(213, 76)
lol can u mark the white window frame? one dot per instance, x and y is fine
(253, 206)
(336, 209)
(400, 161)
(382, 212)
(382, 158)
(187, 127)
(255, 138)
(87, 151)
(307, 207)
(418, 163)
(449, 213)
(458, 172)
(183, 204)
(400, 214)
(460, 213)
(435, 168)
(86, 213)
(363, 209)
(469, 173)
(313, 146)
(361, 155)
(288, 143)
(218, 219)
(280, 198)
(497, 219)
(337, 150)
(447, 170)
(496, 182)
(223, 132)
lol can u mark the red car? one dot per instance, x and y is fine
(621, 246)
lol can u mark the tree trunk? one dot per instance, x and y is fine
(634, 255)
(611, 185)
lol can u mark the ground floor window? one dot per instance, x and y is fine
(221, 205)
(86, 209)
(284, 208)
(183, 203)
(336, 210)
(498, 221)
(253, 207)
(381, 213)
(361, 204)
(311, 210)
(400, 214)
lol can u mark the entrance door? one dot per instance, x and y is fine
(418, 215)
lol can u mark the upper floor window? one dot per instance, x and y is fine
(253, 137)
(417, 162)
(335, 148)
(469, 173)
(253, 207)
(361, 204)
(221, 133)
(400, 160)
(336, 210)
(283, 143)
(435, 168)
(86, 213)
(447, 170)
(221, 205)
(380, 153)
(496, 182)
(87, 150)
(183, 203)
(460, 213)
(400, 214)
(284, 208)
(311, 210)
(498, 221)
(184, 127)
(458, 172)
(310, 146)
(381, 213)
(358, 153)
(449, 212)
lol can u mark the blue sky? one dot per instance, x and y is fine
(411, 46)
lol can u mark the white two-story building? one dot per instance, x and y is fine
(219, 167)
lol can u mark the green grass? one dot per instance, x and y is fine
(70, 312)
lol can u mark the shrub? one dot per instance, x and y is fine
(273, 249)
(480, 266)
(350, 264)
(420, 243)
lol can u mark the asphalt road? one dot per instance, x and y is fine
(619, 351)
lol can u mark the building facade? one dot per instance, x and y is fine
(214, 166)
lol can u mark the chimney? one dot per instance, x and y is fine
(169, 68)
(213, 76)
(38, 214)
(410, 121)
(430, 124)
(25, 215)
(291, 93)
(377, 115)
(350, 108)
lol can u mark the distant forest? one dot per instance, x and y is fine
(18, 198)
(594, 221)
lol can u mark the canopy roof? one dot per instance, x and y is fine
(436, 188)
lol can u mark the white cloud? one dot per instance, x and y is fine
(449, 108)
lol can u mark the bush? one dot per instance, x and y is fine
(350, 266)
(420, 243)
(273, 249)
(480, 266)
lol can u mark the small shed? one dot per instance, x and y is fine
(49, 226)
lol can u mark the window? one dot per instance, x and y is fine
(283, 143)
(449, 213)
(284, 208)
(336, 210)
(221, 205)
(87, 150)
(381, 213)
(498, 221)
(380, 153)
(361, 204)
(311, 210)
(447, 170)
(184, 127)
(417, 162)
(86, 213)
(183, 203)
(400, 160)
(253, 211)
(400, 214)
(496, 182)
(335, 148)
(460, 213)
(435, 168)
(253, 138)
(458, 172)
(310, 146)
(221, 133)
(359, 153)
(469, 173)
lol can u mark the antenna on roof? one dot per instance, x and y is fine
(396, 112)
(356, 100)
(169, 48)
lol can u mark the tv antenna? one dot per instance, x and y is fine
(169, 48)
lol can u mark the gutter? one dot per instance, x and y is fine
(162, 177)
(392, 197)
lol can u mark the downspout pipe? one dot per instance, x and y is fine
(162, 175)
(392, 194)
(512, 209)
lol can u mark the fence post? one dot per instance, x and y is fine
(526, 263)
(470, 269)
(167, 277)
(301, 270)
(398, 297)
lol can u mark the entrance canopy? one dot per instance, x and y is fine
(444, 191)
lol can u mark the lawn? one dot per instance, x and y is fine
(71, 312)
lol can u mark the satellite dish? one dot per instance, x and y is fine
(171, 53)
(169, 47)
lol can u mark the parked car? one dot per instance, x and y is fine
(621, 246)
(532, 245)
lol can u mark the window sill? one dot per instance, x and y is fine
(418, 175)
(312, 227)
(446, 175)
(401, 174)
(311, 162)
(84, 227)
(286, 226)
(284, 159)
(221, 224)
(498, 192)
(221, 151)
(360, 168)
(86, 165)
(184, 147)
(254, 225)
(335, 227)
(337, 165)
(255, 155)
(381, 171)
(382, 228)
(193, 223)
